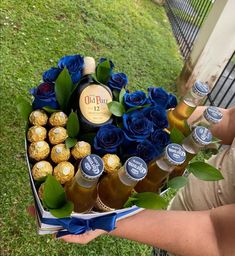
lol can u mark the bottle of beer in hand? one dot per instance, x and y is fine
(82, 189)
(114, 189)
(91, 99)
(196, 141)
(177, 117)
(160, 168)
(210, 116)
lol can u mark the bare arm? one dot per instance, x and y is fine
(185, 233)
(225, 130)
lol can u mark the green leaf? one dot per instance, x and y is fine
(121, 95)
(103, 72)
(116, 108)
(116, 95)
(24, 108)
(215, 140)
(50, 110)
(137, 107)
(73, 126)
(204, 171)
(54, 195)
(64, 211)
(177, 182)
(176, 136)
(70, 142)
(130, 202)
(147, 200)
(63, 89)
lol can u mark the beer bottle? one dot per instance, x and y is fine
(178, 116)
(115, 188)
(210, 116)
(160, 168)
(196, 141)
(82, 189)
(91, 99)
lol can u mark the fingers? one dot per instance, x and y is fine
(83, 238)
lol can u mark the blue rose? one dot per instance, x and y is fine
(157, 115)
(44, 96)
(74, 64)
(147, 151)
(118, 81)
(160, 139)
(158, 96)
(134, 99)
(51, 75)
(136, 126)
(110, 62)
(172, 101)
(108, 139)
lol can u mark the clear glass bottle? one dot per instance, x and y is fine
(91, 99)
(82, 189)
(115, 188)
(196, 141)
(160, 168)
(177, 117)
(210, 116)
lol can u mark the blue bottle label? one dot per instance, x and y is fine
(136, 168)
(175, 153)
(203, 135)
(92, 166)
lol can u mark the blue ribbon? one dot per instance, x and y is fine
(79, 226)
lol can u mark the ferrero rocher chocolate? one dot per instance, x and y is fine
(112, 163)
(64, 172)
(58, 119)
(41, 169)
(57, 135)
(60, 153)
(38, 117)
(81, 149)
(39, 150)
(41, 191)
(36, 133)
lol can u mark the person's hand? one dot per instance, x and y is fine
(83, 238)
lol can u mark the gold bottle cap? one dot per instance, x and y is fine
(89, 66)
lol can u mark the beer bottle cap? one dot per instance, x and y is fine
(175, 154)
(213, 115)
(202, 135)
(200, 89)
(91, 166)
(136, 168)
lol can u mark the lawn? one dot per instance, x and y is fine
(136, 35)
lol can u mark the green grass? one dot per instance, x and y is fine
(136, 35)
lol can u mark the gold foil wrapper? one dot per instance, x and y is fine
(39, 150)
(41, 169)
(41, 191)
(38, 117)
(36, 133)
(64, 172)
(112, 163)
(81, 149)
(60, 153)
(57, 135)
(58, 119)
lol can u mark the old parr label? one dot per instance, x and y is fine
(93, 104)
